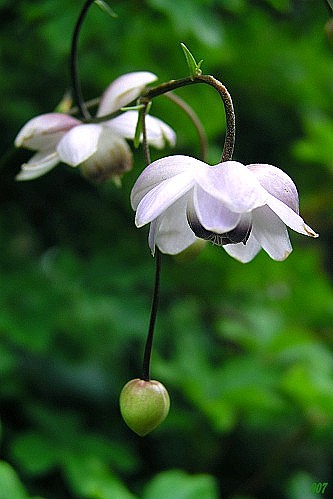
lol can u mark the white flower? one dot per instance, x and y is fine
(243, 208)
(100, 150)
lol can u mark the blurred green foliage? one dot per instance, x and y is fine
(245, 350)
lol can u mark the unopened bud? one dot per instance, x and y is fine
(111, 160)
(144, 405)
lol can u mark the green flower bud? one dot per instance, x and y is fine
(144, 405)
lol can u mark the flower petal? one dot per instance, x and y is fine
(244, 252)
(212, 213)
(277, 183)
(161, 197)
(39, 164)
(45, 131)
(111, 160)
(79, 144)
(123, 91)
(170, 232)
(271, 233)
(159, 171)
(289, 217)
(158, 132)
(233, 184)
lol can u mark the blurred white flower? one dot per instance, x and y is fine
(243, 208)
(100, 150)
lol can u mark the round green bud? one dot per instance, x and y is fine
(144, 405)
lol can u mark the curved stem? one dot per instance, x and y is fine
(229, 141)
(74, 71)
(153, 314)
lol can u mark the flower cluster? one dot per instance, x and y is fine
(242, 208)
(99, 149)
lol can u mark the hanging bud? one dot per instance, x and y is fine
(144, 405)
(111, 160)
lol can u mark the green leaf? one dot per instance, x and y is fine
(193, 66)
(10, 485)
(176, 484)
(106, 8)
(90, 478)
(34, 453)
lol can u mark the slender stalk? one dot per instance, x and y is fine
(228, 148)
(74, 70)
(229, 141)
(153, 314)
(144, 133)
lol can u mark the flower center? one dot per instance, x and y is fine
(239, 234)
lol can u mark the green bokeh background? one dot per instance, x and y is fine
(244, 350)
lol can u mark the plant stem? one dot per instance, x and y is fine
(229, 141)
(228, 148)
(153, 314)
(74, 71)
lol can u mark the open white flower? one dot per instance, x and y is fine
(243, 208)
(100, 150)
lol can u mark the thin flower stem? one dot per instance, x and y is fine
(229, 141)
(153, 314)
(74, 70)
(144, 133)
(228, 148)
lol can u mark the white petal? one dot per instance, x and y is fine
(212, 213)
(161, 197)
(170, 232)
(244, 252)
(44, 131)
(159, 171)
(38, 165)
(277, 183)
(124, 125)
(79, 144)
(158, 132)
(233, 184)
(271, 233)
(123, 91)
(289, 217)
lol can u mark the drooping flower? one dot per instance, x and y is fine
(100, 149)
(242, 208)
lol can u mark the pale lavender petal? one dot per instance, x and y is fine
(79, 144)
(161, 197)
(123, 91)
(271, 233)
(158, 132)
(44, 131)
(159, 171)
(170, 232)
(289, 217)
(277, 183)
(233, 184)
(212, 213)
(244, 252)
(38, 165)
